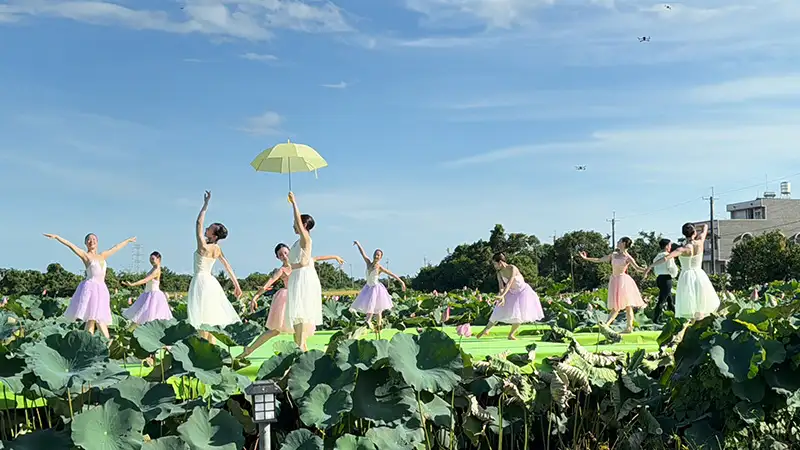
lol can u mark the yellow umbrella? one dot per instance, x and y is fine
(289, 158)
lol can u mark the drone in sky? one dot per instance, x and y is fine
(580, 168)
(644, 39)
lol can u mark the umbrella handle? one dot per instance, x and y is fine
(290, 179)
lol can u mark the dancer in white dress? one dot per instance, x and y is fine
(207, 303)
(304, 302)
(695, 297)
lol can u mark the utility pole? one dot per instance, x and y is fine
(613, 221)
(711, 230)
(136, 257)
(554, 252)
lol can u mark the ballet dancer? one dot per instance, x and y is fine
(695, 297)
(622, 290)
(152, 304)
(304, 291)
(206, 303)
(91, 302)
(374, 298)
(666, 271)
(517, 301)
(276, 319)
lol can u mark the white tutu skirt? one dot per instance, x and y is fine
(695, 296)
(207, 303)
(304, 302)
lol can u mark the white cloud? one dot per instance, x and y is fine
(194, 60)
(784, 87)
(258, 57)
(339, 85)
(264, 124)
(493, 13)
(244, 19)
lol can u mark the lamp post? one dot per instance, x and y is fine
(262, 395)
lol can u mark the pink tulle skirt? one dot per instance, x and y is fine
(91, 301)
(276, 320)
(373, 299)
(149, 306)
(522, 305)
(623, 292)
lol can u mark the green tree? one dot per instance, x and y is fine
(333, 277)
(565, 265)
(59, 282)
(762, 259)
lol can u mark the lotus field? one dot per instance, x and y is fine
(731, 380)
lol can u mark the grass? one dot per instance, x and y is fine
(492, 344)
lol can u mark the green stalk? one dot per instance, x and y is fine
(69, 399)
(452, 411)
(422, 417)
(500, 416)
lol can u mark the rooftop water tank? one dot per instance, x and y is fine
(786, 188)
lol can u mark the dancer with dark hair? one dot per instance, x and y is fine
(695, 297)
(206, 303)
(304, 299)
(91, 302)
(622, 290)
(374, 298)
(666, 271)
(517, 301)
(152, 304)
(276, 319)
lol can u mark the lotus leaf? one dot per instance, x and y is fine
(165, 443)
(752, 390)
(201, 358)
(751, 414)
(230, 384)
(383, 397)
(360, 353)
(702, 436)
(157, 334)
(400, 438)
(737, 359)
(429, 362)
(116, 425)
(211, 430)
(243, 416)
(244, 333)
(12, 370)
(277, 366)
(69, 360)
(437, 410)
(350, 442)
(49, 439)
(155, 400)
(313, 368)
(322, 407)
(302, 440)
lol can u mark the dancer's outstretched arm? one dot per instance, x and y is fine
(329, 258)
(672, 255)
(387, 272)
(703, 233)
(363, 253)
(585, 257)
(514, 273)
(201, 217)
(117, 247)
(635, 265)
(276, 275)
(237, 291)
(153, 274)
(298, 221)
(75, 249)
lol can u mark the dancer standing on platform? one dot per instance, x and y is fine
(666, 271)
(304, 296)
(695, 297)
(206, 303)
(374, 298)
(622, 290)
(152, 304)
(91, 302)
(518, 303)
(276, 320)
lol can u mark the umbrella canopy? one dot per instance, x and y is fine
(289, 158)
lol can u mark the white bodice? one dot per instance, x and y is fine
(152, 285)
(694, 262)
(372, 276)
(96, 270)
(516, 282)
(203, 264)
(298, 256)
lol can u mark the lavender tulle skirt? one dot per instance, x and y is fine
(149, 306)
(522, 305)
(276, 320)
(373, 299)
(91, 301)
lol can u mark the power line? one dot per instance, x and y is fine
(771, 227)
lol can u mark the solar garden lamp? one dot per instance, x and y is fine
(263, 396)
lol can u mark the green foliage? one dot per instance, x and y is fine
(762, 259)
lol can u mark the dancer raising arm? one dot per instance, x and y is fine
(622, 290)
(695, 297)
(374, 298)
(517, 301)
(152, 304)
(304, 299)
(91, 302)
(207, 303)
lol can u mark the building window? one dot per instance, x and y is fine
(758, 214)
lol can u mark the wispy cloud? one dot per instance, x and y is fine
(194, 60)
(264, 124)
(258, 57)
(782, 87)
(244, 19)
(339, 85)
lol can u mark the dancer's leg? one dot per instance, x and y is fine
(629, 314)
(269, 334)
(612, 317)
(512, 335)
(380, 320)
(670, 298)
(90, 326)
(300, 336)
(663, 292)
(485, 331)
(104, 329)
(369, 319)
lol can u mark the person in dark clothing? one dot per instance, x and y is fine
(665, 272)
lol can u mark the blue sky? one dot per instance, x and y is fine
(439, 118)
